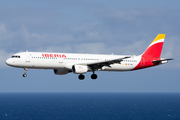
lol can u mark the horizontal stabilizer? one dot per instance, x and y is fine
(161, 61)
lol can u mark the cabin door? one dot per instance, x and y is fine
(60, 60)
(27, 57)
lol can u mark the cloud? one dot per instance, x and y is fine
(118, 15)
(104, 31)
(3, 57)
(5, 34)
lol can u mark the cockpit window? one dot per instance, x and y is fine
(15, 56)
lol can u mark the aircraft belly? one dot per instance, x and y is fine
(119, 67)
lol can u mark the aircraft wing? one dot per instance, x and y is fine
(100, 64)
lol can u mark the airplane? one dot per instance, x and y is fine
(64, 63)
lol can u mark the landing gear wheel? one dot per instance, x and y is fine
(94, 76)
(81, 77)
(24, 75)
(25, 70)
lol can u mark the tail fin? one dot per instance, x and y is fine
(155, 48)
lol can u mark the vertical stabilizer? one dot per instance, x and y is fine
(152, 53)
(155, 48)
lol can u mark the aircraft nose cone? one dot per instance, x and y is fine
(8, 62)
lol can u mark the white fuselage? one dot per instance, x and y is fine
(42, 60)
(64, 63)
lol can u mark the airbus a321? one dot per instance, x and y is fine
(64, 63)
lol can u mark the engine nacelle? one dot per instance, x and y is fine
(79, 69)
(61, 71)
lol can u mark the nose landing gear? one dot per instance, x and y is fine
(24, 75)
(25, 70)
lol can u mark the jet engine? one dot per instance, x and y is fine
(61, 71)
(79, 69)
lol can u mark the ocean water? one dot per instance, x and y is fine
(89, 106)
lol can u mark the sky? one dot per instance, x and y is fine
(89, 26)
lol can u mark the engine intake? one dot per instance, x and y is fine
(79, 69)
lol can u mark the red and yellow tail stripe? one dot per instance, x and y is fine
(155, 48)
(159, 38)
(153, 52)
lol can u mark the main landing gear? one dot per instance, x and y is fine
(93, 76)
(25, 70)
(81, 77)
